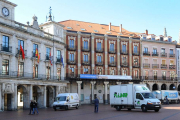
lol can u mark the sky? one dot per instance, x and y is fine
(134, 15)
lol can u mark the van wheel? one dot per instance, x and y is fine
(77, 106)
(157, 110)
(66, 108)
(118, 108)
(144, 109)
(129, 109)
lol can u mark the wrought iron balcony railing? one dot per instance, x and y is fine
(163, 54)
(155, 65)
(163, 66)
(6, 49)
(146, 65)
(146, 53)
(155, 54)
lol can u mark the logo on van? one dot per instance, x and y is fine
(120, 95)
(71, 97)
(144, 88)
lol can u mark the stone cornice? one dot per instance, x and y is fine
(9, 3)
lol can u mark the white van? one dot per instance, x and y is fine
(66, 101)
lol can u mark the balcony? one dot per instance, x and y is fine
(155, 54)
(99, 50)
(58, 60)
(112, 64)
(87, 62)
(86, 49)
(171, 55)
(160, 78)
(71, 75)
(71, 62)
(136, 78)
(145, 65)
(155, 66)
(135, 53)
(100, 63)
(163, 66)
(18, 51)
(163, 54)
(47, 57)
(71, 48)
(136, 65)
(112, 51)
(146, 53)
(124, 64)
(6, 49)
(172, 67)
(124, 52)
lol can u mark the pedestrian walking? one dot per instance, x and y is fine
(35, 107)
(166, 100)
(31, 107)
(96, 105)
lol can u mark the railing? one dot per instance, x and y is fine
(86, 49)
(155, 54)
(163, 54)
(136, 78)
(6, 49)
(124, 64)
(18, 51)
(87, 62)
(172, 67)
(171, 55)
(71, 75)
(146, 53)
(99, 50)
(71, 48)
(160, 78)
(124, 52)
(99, 63)
(112, 64)
(155, 65)
(71, 62)
(135, 53)
(136, 65)
(112, 51)
(20, 26)
(47, 57)
(145, 65)
(163, 66)
(58, 60)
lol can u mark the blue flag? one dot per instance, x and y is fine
(62, 61)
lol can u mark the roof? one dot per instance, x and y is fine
(81, 26)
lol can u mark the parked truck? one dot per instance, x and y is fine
(172, 95)
(133, 96)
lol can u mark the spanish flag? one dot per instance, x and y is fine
(22, 52)
(37, 55)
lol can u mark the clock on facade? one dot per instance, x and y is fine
(5, 11)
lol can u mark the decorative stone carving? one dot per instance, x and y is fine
(8, 88)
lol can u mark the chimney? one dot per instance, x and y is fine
(165, 33)
(120, 28)
(146, 32)
(110, 26)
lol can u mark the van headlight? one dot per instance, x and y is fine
(149, 102)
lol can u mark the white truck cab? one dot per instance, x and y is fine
(66, 101)
(133, 96)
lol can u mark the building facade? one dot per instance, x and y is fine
(32, 78)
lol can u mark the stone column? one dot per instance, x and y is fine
(79, 90)
(45, 93)
(92, 91)
(31, 92)
(106, 100)
(130, 56)
(92, 53)
(57, 90)
(118, 83)
(15, 97)
(79, 53)
(106, 57)
(118, 55)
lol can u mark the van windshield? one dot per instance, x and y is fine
(61, 98)
(148, 95)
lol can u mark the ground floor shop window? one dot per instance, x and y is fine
(21, 69)
(5, 67)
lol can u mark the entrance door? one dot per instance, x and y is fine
(138, 100)
(9, 102)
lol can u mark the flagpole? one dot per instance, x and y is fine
(18, 62)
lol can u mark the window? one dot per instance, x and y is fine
(169, 40)
(135, 49)
(124, 60)
(71, 43)
(144, 37)
(154, 51)
(171, 51)
(48, 50)
(112, 72)
(5, 43)
(99, 46)
(99, 58)
(164, 75)
(85, 70)
(59, 74)
(71, 70)
(146, 75)
(34, 49)
(155, 73)
(5, 67)
(21, 69)
(48, 72)
(58, 56)
(136, 73)
(139, 96)
(161, 38)
(85, 58)
(124, 72)
(136, 61)
(71, 57)
(82, 97)
(82, 85)
(124, 48)
(20, 42)
(85, 44)
(99, 71)
(152, 38)
(111, 47)
(35, 71)
(145, 50)
(112, 59)
(162, 50)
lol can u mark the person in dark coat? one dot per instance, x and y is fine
(96, 105)
(166, 100)
(31, 107)
(35, 107)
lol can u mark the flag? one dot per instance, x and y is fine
(62, 61)
(38, 56)
(22, 52)
(50, 58)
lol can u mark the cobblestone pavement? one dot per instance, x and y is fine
(86, 112)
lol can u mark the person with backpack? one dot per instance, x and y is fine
(35, 107)
(31, 107)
